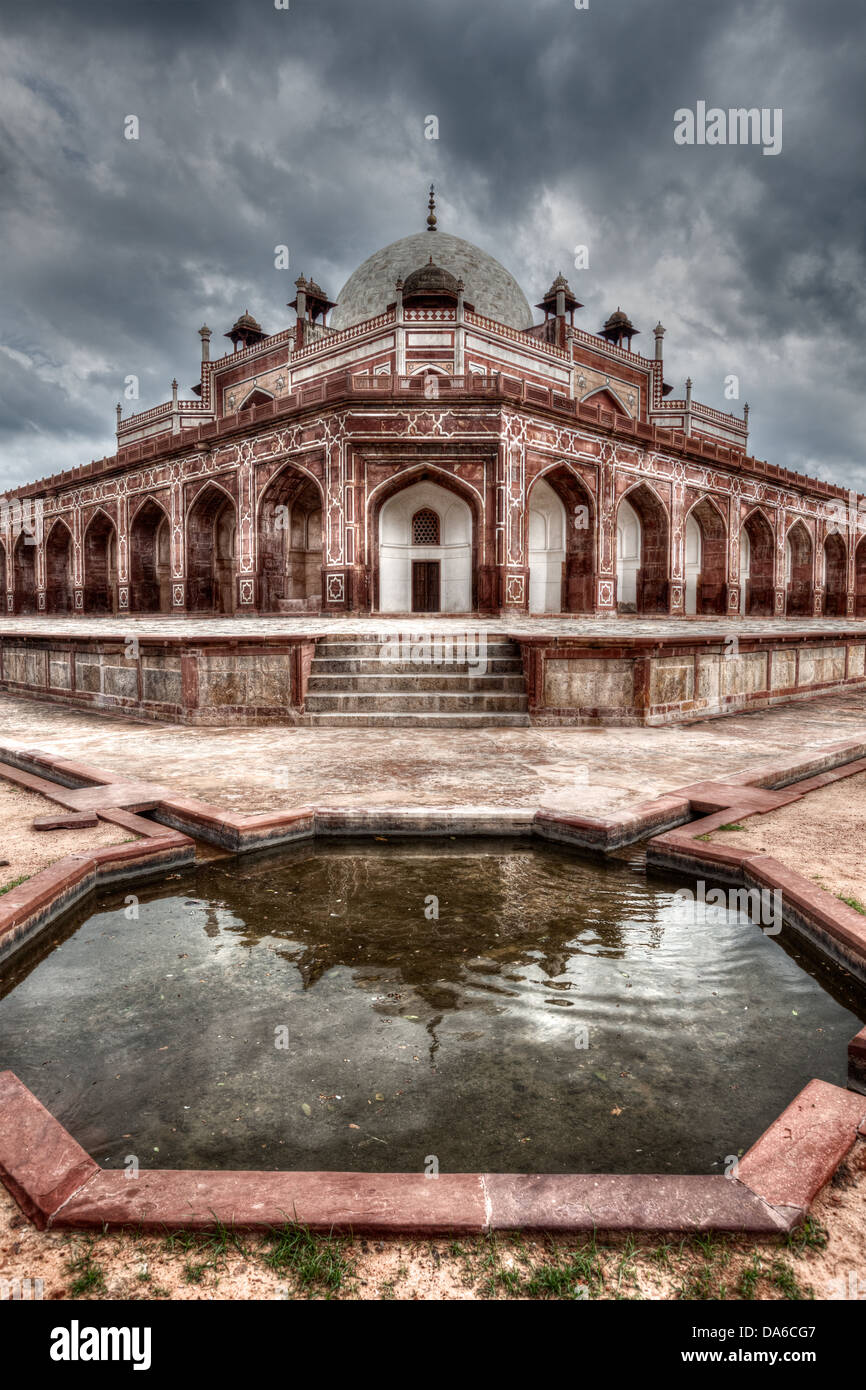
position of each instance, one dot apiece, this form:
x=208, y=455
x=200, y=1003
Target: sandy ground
x=26, y=850
x=820, y=836
x=827, y=1261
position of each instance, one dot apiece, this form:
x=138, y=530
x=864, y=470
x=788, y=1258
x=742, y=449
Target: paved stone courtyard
x=623, y=626
x=589, y=771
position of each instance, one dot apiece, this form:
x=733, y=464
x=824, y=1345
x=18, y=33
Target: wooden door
x=425, y=586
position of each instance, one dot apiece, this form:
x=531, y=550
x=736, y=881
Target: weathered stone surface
x=590, y=682
x=371, y=1203
x=802, y=1149
x=819, y=665
x=77, y=820
x=745, y=673
x=40, y=1163
x=783, y=669
x=632, y=1202
x=672, y=680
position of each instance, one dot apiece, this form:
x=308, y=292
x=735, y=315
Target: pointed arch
x=99, y=548
x=757, y=564
x=150, y=558
x=608, y=399
x=644, y=559
x=706, y=558
x=211, y=545
x=59, y=579
x=24, y=572
x=419, y=472
x=290, y=535
x=574, y=551
x=860, y=579
x=257, y=396
x=799, y=553
x=389, y=536
x=835, y=575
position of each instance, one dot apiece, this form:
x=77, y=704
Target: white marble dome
x=492, y=289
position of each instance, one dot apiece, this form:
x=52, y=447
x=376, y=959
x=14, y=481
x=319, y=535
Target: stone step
x=391, y=682
x=356, y=682
x=416, y=652
x=420, y=701
x=371, y=666
x=437, y=720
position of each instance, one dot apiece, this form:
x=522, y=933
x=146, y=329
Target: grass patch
x=710, y=833
x=569, y=1275
x=574, y=1275
x=810, y=1236
x=89, y=1279
x=775, y=1273
x=14, y=883
x=850, y=902
x=318, y=1263
x=217, y=1242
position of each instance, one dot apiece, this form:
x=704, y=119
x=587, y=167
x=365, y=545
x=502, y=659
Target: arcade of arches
x=426, y=538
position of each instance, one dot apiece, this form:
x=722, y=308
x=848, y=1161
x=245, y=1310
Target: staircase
x=373, y=682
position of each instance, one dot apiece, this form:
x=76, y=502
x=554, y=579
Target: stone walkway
x=590, y=772
x=522, y=624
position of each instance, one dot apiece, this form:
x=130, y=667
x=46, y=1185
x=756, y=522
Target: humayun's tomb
x=423, y=446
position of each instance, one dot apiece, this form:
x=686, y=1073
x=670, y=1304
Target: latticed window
x=425, y=527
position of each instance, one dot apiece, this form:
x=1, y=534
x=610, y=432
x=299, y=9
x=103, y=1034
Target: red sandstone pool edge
x=835, y=929
x=26, y=910
x=60, y=1187
x=58, y=1184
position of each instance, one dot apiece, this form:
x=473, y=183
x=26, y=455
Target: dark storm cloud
x=306, y=127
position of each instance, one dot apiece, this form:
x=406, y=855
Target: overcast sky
x=306, y=127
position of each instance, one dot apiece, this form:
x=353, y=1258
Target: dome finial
x=431, y=216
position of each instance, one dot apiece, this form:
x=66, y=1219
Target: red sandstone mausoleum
x=421, y=444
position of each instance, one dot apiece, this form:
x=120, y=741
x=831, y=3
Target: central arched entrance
x=290, y=543
x=641, y=553
x=425, y=551
x=59, y=587
x=100, y=565
x=211, y=538
x=150, y=560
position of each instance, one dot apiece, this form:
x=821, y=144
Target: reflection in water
x=508, y=1007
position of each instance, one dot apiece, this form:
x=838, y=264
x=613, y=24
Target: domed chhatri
x=431, y=279
x=489, y=286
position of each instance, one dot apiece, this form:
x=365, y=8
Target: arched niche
x=425, y=577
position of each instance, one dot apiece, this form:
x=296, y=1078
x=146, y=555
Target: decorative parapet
x=508, y=386
x=501, y=330
x=344, y=335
